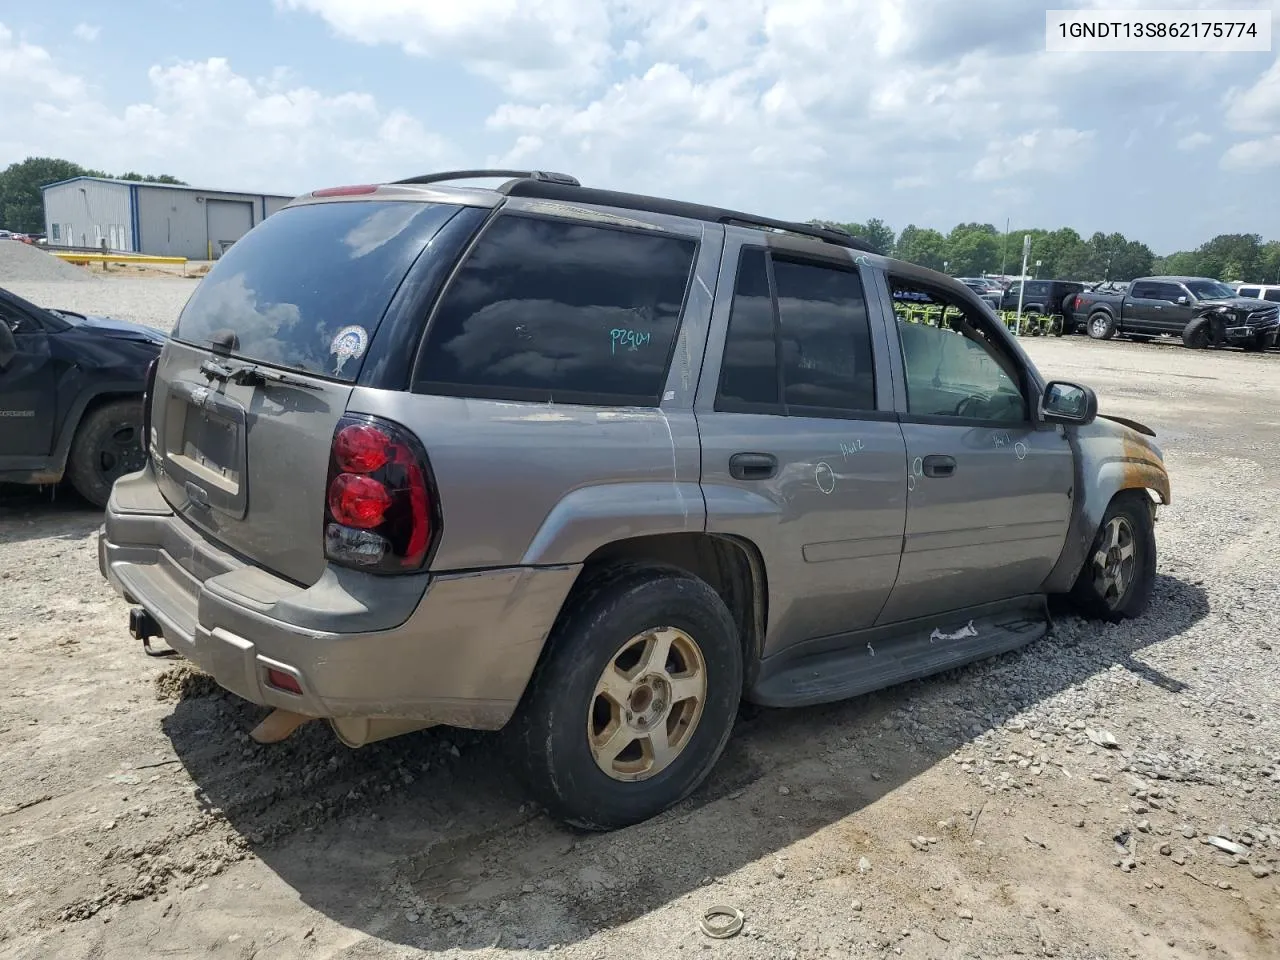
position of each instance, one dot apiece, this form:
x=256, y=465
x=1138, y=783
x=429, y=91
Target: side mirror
x=1182, y=301
x=8, y=345
x=1068, y=403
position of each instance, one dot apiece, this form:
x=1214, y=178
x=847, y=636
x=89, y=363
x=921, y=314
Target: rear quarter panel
x=547, y=484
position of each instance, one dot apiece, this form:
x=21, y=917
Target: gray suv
x=594, y=467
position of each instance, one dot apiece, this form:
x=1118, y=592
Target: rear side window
x=306, y=288
x=1143, y=291
x=800, y=346
x=1248, y=291
x=1273, y=295
x=556, y=310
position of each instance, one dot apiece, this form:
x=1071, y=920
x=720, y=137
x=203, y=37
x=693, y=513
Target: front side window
x=799, y=342
x=953, y=370
x=558, y=310
x=1273, y=295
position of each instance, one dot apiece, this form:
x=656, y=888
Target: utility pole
x=1004, y=249
x=1022, y=284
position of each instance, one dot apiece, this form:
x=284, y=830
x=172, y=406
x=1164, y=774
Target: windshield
x=1209, y=290
x=306, y=289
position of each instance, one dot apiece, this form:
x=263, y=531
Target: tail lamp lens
x=358, y=501
x=380, y=509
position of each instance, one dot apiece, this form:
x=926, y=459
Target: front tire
x=1102, y=326
x=1196, y=334
x=634, y=700
x=1120, y=570
x=107, y=445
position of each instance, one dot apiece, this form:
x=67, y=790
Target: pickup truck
x=1203, y=312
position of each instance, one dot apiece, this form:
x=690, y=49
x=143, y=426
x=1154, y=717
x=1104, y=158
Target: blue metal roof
x=170, y=186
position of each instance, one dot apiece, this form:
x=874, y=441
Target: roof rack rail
x=839, y=237
x=544, y=176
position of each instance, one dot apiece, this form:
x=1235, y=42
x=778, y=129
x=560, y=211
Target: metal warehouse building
x=158, y=219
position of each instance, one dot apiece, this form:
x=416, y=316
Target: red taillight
x=358, y=501
x=361, y=448
x=282, y=681
x=149, y=388
x=352, y=191
x=380, y=510
x=1075, y=304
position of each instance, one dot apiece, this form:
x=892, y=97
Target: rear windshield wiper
x=252, y=375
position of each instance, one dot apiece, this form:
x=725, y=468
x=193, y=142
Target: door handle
x=753, y=466
x=939, y=466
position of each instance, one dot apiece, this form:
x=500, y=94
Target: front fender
x=1110, y=458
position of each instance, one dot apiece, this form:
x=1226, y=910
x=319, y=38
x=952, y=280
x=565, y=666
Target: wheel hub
x=647, y=704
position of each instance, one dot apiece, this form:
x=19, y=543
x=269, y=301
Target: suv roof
x=548, y=185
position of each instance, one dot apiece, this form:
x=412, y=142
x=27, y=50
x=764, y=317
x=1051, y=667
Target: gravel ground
x=153, y=301
x=1058, y=801
x=25, y=263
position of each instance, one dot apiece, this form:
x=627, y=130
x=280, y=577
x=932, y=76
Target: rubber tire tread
x=1137, y=507
x=1192, y=331
x=547, y=734
x=1111, y=326
x=80, y=472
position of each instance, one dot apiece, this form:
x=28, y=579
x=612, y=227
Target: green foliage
x=21, y=207
x=975, y=249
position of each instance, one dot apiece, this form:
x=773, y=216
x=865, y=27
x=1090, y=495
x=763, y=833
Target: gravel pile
x=155, y=302
x=24, y=263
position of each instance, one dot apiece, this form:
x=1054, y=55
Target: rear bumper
x=452, y=649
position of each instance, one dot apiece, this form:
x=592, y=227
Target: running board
x=837, y=668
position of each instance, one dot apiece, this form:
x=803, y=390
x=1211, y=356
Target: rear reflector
x=282, y=681
x=353, y=191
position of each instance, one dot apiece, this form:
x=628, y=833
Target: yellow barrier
x=72, y=257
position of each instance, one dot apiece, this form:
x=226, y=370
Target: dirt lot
x=971, y=815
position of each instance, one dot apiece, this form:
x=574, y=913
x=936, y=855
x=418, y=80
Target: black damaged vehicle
x=71, y=389
x=1202, y=311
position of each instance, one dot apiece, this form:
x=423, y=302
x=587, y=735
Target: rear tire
x=1120, y=570
x=612, y=731
x=107, y=445
x=1195, y=335
x=1102, y=326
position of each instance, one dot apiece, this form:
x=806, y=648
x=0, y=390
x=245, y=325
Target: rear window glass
x=558, y=310
x=307, y=288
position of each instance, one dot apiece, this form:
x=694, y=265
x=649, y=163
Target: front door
x=989, y=491
x=26, y=389
x=801, y=452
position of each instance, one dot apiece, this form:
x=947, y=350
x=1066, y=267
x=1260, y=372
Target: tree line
x=976, y=249
x=21, y=206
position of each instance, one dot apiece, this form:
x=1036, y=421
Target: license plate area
x=205, y=448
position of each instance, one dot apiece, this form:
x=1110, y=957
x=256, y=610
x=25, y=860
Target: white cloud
x=527, y=47
x=1253, y=155
x=1194, y=141
x=86, y=32
x=1038, y=151
x=1256, y=109
x=207, y=124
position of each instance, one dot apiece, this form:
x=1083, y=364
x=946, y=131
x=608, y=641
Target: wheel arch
x=732, y=566
x=86, y=401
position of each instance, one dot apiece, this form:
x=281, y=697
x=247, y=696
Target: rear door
x=989, y=491
x=1167, y=314
x=1140, y=309
x=801, y=452
x=301, y=295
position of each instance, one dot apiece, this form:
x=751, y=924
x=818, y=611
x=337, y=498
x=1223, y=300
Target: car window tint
x=551, y=310
x=1248, y=291
x=307, y=288
x=1272, y=295
x=749, y=371
x=1168, y=292
x=825, y=338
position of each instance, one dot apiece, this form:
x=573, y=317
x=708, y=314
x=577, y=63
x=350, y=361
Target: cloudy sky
x=924, y=111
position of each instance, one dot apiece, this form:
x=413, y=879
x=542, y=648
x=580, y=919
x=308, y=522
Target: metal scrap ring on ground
x=721, y=922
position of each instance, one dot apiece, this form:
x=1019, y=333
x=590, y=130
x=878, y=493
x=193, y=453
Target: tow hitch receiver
x=143, y=626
